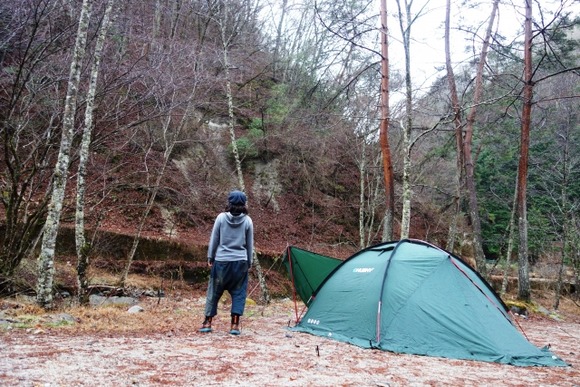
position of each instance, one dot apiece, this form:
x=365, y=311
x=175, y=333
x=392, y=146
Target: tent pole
x=293, y=284
x=380, y=305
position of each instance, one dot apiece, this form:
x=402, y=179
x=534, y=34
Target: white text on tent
x=363, y=269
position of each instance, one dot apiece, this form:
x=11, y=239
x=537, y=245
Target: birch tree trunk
x=82, y=248
x=406, y=211
x=44, y=296
x=231, y=125
x=405, y=23
x=523, y=270
x=384, y=129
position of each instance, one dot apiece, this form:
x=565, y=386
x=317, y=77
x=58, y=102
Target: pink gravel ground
x=173, y=353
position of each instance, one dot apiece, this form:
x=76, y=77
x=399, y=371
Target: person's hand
x=209, y=263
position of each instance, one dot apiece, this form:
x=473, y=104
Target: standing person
x=229, y=255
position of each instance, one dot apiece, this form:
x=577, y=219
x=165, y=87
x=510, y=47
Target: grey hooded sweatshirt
x=232, y=239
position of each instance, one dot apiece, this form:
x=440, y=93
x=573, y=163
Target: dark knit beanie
x=237, y=198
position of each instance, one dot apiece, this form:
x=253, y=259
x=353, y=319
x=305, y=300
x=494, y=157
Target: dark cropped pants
x=230, y=276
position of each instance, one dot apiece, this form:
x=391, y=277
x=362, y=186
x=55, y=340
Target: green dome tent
x=408, y=297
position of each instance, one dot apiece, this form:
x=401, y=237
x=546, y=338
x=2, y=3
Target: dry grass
x=179, y=308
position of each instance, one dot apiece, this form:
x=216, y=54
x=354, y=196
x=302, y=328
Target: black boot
x=206, y=326
x=235, y=328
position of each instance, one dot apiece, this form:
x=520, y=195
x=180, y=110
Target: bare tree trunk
x=277, y=48
x=523, y=268
x=256, y=261
x=467, y=153
x=25, y=159
x=458, y=125
x=384, y=129
x=370, y=188
x=374, y=201
x=82, y=248
x=226, y=42
x=44, y=296
x=169, y=140
x=361, y=207
x=523, y=272
x=156, y=20
x=563, y=258
x=148, y=206
x=175, y=12
x=566, y=212
x=510, y=245
x=575, y=253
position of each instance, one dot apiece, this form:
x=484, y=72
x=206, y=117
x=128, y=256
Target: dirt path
x=167, y=350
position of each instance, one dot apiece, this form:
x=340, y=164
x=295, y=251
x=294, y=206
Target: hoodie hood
x=235, y=220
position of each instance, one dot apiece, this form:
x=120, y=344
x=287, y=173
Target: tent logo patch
x=363, y=269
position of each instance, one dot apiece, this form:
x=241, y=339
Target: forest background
x=124, y=125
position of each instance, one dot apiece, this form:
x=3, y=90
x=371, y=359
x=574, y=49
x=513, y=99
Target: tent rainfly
x=410, y=297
